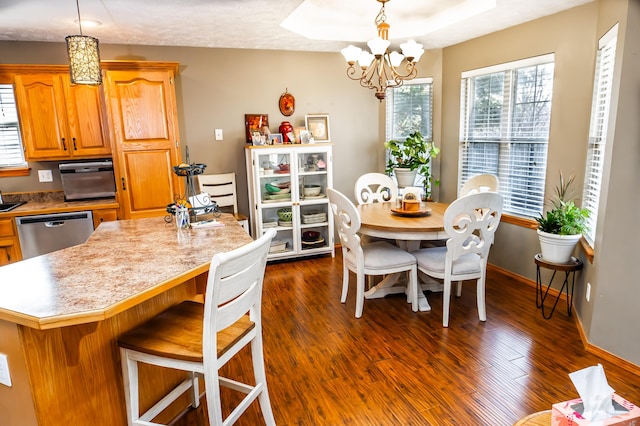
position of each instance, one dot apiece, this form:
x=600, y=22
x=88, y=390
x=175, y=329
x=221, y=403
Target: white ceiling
x=328, y=25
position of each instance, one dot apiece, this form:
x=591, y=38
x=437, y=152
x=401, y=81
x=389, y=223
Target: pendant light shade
x=84, y=59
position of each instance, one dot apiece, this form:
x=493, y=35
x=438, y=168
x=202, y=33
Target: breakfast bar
x=61, y=315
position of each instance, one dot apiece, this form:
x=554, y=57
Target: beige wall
x=216, y=87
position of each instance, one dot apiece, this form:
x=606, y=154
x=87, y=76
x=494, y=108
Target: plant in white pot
x=411, y=156
x=560, y=229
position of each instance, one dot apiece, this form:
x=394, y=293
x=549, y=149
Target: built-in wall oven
x=88, y=180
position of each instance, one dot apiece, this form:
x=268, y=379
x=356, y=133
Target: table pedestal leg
x=387, y=286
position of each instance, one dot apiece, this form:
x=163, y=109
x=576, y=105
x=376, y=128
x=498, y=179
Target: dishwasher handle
x=54, y=224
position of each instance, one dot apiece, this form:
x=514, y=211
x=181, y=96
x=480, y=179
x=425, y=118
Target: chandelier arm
x=352, y=73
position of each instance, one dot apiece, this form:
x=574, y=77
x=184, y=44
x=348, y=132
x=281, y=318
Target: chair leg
x=359, y=293
x=482, y=309
x=257, y=356
x=446, y=296
x=130, y=377
x=345, y=283
x=459, y=289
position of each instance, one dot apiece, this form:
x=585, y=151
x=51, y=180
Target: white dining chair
x=470, y=222
x=222, y=189
x=377, y=258
x=375, y=188
x=201, y=338
x=480, y=183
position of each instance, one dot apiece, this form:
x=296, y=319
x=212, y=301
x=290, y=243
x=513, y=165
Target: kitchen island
x=61, y=315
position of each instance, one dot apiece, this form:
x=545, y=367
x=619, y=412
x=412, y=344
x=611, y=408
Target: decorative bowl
x=310, y=236
x=285, y=214
x=311, y=190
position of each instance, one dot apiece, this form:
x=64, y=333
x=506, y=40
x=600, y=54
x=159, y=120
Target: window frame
x=523, y=204
x=598, y=127
x=389, y=122
x=13, y=127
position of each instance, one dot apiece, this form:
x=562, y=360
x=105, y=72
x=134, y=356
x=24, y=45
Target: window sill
x=533, y=224
x=14, y=171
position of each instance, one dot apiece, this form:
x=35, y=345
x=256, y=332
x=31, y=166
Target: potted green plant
x=562, y=226
x=411, y=156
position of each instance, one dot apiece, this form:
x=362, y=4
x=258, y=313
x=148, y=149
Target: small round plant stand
x=569, y=270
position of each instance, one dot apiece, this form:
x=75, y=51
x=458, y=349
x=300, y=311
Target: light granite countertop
x=122, y=264
x=52, y=202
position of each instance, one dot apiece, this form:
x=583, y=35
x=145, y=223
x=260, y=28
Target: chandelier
x=381, y=69
x=84, y=57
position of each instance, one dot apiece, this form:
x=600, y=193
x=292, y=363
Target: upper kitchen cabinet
x=143, y=119
x=60, y=120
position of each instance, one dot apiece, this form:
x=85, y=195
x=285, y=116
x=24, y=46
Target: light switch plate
x=45, y=176
x=5, y=377
x=218, y=134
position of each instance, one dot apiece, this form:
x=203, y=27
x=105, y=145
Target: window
x=505, y=113
x=598, y=127
x=11, y=154
x=409, y=108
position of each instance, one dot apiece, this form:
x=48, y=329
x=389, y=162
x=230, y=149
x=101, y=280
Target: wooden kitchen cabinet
x=105, y=215
x=60, y=120
x=9, y=243
x=142, y=114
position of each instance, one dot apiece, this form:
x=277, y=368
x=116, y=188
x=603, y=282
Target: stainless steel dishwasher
x=43, y=234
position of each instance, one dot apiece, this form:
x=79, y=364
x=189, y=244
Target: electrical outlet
x=218, y=134
x=5, y=377
x=587, y=294
x=45, y=176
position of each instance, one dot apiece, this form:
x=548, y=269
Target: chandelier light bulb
x=351, y=54
x=378, y=46
x=411, y=49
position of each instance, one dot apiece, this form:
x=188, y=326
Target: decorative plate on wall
x=287, y=103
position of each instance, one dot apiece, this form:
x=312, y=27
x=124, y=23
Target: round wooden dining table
x=408, y=229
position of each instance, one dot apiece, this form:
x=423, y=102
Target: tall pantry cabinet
x=143, y=119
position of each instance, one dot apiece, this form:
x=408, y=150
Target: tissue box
x=563, y=415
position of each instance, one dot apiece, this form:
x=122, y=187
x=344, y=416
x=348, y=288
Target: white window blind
x=11, y=154
x=504, y=129
x=409, y=108
x=600, y=106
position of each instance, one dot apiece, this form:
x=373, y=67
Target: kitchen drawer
x=106, y=215
x=6, y=228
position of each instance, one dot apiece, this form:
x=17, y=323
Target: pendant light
x=84, y=57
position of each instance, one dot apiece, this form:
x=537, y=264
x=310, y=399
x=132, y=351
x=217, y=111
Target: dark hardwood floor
x=397, y=367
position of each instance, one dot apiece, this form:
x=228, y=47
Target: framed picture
x=258, y=139
x=256, y=123
x=318, y=125
x=275, y=139
x=305, y=136
x=296, y=134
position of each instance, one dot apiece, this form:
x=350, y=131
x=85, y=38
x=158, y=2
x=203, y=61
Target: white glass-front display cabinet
x=287, y=191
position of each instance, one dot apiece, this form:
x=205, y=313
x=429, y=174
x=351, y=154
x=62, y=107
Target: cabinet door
x=143, y=115
x=8, y=252
x=42, y=112
x=106, y=215
x=86, y=121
